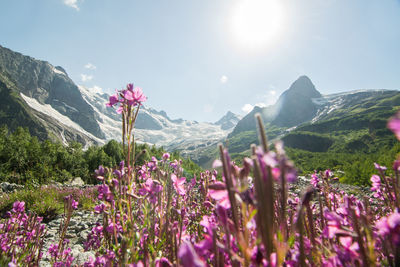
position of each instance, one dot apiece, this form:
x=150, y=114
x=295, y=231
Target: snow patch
x=51, y=112
x=58, y=71
x=173, y=135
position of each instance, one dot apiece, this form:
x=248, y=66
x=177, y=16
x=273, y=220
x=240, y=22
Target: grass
x=48, y=201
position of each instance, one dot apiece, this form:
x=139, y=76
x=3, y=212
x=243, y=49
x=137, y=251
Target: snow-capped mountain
x=302, y=114
x=41, y=97
x=52, y=106
x=155, y=127
x=228, y=121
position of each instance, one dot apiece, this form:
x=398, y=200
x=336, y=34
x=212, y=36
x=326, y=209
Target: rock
x=79, y=227
x=77, y=181
x=81, y=257
x=10, y=187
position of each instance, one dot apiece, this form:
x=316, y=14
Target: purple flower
x=396, y=165
x=74, y=204
x=216, y=164
x=138, y=95
x=221, y=196
x=188, y=256
x=53, y=250
x=379, y=167
x=179, y=184
x=394, y=125
x=122, y=165
x=112, y=100
x=314, y=180
x=104, y=193
x=328, y=173
x=135, y=96
x=18, y=206
x=100, y=171
x=389, y=227
x=376, y=182
x=70, y=201
x=120, y=109
x=130, y=87
x=118, y=173
x=163, y=262
x=165, y=156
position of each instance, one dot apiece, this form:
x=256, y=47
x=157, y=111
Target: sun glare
x=256, y=22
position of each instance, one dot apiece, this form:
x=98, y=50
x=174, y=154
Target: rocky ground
x=79, y=227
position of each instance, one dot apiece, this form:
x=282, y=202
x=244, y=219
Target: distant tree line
x=26, y=160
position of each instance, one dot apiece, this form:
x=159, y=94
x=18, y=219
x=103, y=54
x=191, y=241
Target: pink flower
x=120, y=109
x=188, y=256
x=221, y=196
x=394, y=125
x=138, y=95
x=314, y=180
x=112, y=100
x=163, y=262
x=165, y=156
x=376, y=182
x=134, y=96
x=100, y=208
x=53, y=250
x=18, y=206
x=179, y=184
x=74, y=204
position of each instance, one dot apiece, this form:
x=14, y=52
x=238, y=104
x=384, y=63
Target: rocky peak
x=295, y=105
x=229, y=120
x=303, y=87
x=48, y=85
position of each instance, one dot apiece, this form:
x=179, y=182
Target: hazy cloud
x=247, y=108
x=85, y=77
x=90, y=66
x=223, y=79
x=72, y=3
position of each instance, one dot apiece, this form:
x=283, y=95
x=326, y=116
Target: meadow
x=156, y=213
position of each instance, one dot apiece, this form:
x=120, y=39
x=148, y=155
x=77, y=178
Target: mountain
x=293, y=107
x=41, y=97
x=155, y=127
x=305, y=119
x=228, y=121
x=37, y=95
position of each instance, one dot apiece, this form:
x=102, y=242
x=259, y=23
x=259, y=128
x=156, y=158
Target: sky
x=198, y=59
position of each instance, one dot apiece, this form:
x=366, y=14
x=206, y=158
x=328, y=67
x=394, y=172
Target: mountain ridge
x=43, y=98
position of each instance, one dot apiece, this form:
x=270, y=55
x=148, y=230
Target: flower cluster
x=21, y=237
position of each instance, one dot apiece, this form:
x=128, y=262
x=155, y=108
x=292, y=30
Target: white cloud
x=223, y=79
x=90, y=66
x=247, y=108
x=85, y=77
x=72, y=3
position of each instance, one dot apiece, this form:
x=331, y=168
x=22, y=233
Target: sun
x=256, y=22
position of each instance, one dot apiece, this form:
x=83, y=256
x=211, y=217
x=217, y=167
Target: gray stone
x=77, y=181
